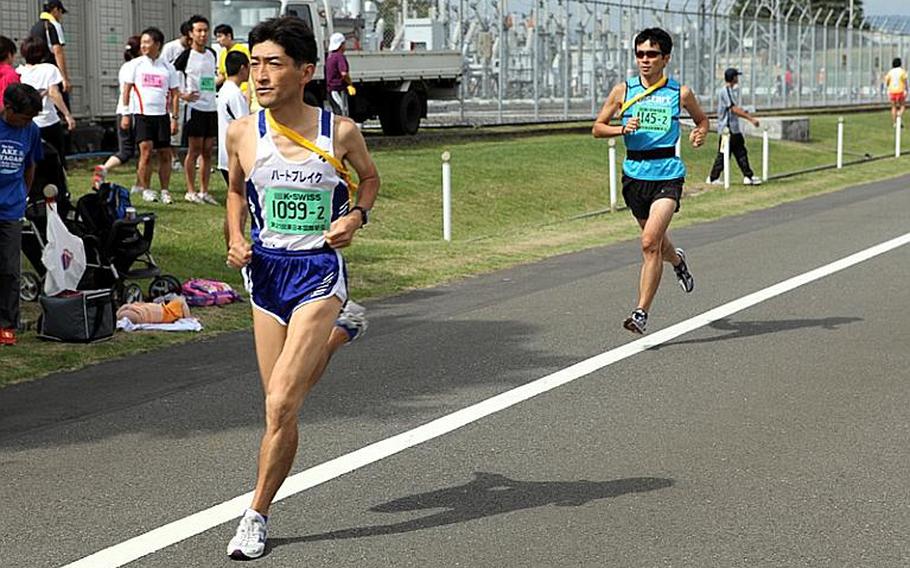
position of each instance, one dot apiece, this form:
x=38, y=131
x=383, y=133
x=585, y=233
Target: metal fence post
x=897, y=137
x=611, y=158
x=446, y=196
x=840, y=142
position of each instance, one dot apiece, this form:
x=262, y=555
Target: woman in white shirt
x=45, y=78
x=126, y=137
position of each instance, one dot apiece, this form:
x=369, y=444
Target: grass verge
x=512, y=203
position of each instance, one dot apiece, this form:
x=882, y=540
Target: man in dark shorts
x=649, y=106
x=198, y=65
x=154, y=83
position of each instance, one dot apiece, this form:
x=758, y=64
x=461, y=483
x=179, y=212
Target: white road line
x=180, y=530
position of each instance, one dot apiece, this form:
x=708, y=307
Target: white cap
x=336, y=41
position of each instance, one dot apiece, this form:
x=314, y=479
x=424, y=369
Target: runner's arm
x=690, y=103
x=602, y=127
x=239, y=251
x=352, y=148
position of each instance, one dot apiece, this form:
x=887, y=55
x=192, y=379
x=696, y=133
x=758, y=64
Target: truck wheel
x=410, y=110
x=401, y=114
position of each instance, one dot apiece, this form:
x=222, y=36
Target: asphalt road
x=774, y=437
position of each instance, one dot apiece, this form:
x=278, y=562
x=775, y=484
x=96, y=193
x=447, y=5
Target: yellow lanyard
x=300, y=140
x=643, y=94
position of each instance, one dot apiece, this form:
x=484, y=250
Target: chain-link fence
x=561, y=57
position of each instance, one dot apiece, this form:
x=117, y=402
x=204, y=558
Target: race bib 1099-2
x=298, y=211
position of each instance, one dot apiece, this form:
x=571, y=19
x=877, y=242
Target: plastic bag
x=64, y=256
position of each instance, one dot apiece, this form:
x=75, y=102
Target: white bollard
x=840, y=142
x=725, y=148
x=765, y=156
x=897, y=138
x=612, y=161
x=446, y=196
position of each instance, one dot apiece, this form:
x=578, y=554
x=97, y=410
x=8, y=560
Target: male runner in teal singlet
x=652, y=182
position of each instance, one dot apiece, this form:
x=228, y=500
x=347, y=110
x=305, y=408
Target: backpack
x=203, y=292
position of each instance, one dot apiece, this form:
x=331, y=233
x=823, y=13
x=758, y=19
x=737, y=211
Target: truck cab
x=392, y=84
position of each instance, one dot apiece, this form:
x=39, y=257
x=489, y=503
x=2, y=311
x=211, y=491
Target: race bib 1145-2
x=653, y=118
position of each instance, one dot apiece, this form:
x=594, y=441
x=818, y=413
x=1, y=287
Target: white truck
x=392, y=85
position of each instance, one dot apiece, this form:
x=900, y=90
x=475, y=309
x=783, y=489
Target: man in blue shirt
x=20, y=149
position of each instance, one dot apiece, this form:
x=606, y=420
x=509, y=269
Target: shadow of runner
x=487, y=495
x=743, y=329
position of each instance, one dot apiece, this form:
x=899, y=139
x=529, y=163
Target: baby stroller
x=117, y=247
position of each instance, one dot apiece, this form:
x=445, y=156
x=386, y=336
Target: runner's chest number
x=298, y=211
x=652, y=118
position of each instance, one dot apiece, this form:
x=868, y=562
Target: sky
x=887, y=7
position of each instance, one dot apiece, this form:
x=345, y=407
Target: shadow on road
x=487, y=495
x=742, y=329
x=214, y=385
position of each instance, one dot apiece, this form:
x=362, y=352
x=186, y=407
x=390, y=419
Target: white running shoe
x=249, y=541
x=191, y=197
x=207, y=198
x=751, y=181
x=353, y=320
x=149, y=195
x=166, y=197
x=717, y=181
x=135, y=189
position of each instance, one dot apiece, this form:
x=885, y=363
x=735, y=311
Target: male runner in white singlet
x=300, y=216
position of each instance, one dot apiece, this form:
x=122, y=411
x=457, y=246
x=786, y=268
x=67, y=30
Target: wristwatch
x=363, y=212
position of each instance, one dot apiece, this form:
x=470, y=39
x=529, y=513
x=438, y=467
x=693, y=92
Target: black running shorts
x=201, y=124
x=154, y=128
x=639, y=194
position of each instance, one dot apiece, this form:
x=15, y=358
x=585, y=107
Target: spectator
x=896, y=81
x=20, y=150
x=199, y=64
x=232, y=104
x=170, y=52
x=224, y=35
x=172, y=49
x=45, y=78
x=50, y=31
x=126, y=138
x=728, y=113
x=154, y=83
x=8, y=75
x=337, y=78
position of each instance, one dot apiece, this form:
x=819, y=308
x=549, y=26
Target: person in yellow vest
x=224, y=35
x=896, y=81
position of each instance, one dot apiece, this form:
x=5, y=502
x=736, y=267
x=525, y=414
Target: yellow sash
x=643, y=94
x=300, y=140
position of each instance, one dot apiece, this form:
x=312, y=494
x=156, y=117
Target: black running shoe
x=637, y=321
x=686, y=281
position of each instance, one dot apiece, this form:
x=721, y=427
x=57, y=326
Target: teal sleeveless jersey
x=658, y=115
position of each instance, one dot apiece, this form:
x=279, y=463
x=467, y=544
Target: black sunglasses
x=650, y=54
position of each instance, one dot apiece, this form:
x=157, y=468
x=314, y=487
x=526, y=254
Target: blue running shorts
x=280, y=281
